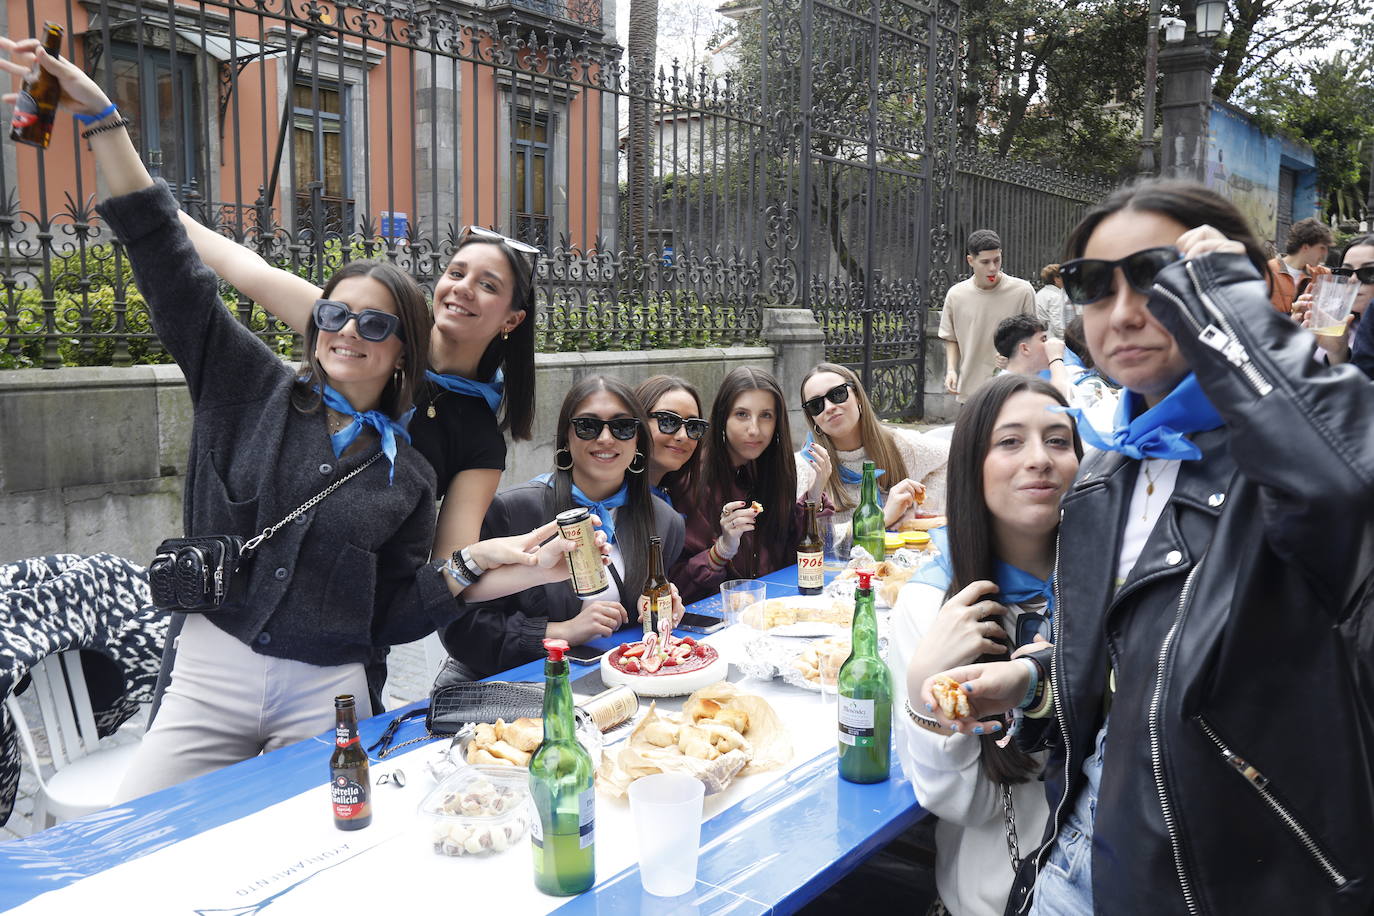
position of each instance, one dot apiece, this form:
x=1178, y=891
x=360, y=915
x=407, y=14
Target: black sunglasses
x=1029, y=625
x=669, y=423
x=589, y=428
x=374, y=325
x=837, y=395
x=1363, y=274
x=1089, y=280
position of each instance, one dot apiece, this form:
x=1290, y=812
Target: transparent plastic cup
x=667, y=812
x=738, y=594
x=1332, y=298
x=839, y=538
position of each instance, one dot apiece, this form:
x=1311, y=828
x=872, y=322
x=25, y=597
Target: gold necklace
x=1149, y=489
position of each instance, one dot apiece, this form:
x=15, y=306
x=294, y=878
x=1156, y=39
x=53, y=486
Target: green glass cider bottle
x=561, y=783
x=868, y=516
x=865, y=697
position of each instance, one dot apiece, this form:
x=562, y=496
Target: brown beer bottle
x=36, y=106
x=810, y=555
x=350, y=789
x=658, y=611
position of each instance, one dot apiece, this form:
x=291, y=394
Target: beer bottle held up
x=810, y=555
x=869, y=528
x=36, y=106
x=561, y=774
x=350, y=788
x=658, y=610
x=865, y=696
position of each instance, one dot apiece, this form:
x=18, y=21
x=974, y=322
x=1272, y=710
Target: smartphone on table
x=700, y=623
x=585, y=654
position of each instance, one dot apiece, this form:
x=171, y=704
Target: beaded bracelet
x=99, y=116
x=926, y=722
x=113, y=125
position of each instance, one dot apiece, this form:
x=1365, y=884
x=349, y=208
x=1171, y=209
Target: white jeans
x=227, y=703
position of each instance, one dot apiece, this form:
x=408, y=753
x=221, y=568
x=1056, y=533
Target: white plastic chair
x=87, y=771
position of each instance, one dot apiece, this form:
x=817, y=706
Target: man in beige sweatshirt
x=973, y=310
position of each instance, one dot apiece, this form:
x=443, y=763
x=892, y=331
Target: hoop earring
x=638, y=463
x=560, y=456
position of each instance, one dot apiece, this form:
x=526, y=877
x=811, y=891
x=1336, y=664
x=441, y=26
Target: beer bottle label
x=348, y=797
x=856, y=722
x=586, y=807
x=25, y=112
x=344, y=737
x=663, y=609
x=810, y=570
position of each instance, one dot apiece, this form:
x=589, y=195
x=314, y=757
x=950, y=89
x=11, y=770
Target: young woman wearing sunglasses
x=844, y=426
x=600, y=458
x=748, y=460
x=990, y=591
x=350, y=574
x=677, y=428
x=1212, y=558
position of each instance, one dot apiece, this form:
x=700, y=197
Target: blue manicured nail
x=968, y=686
x=929, y=708
x=977, y=729
x=995, y=726
x=954, y=727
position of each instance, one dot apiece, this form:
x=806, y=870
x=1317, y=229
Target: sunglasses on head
x=1363, y=274
x=480, y=234
x=837, y=395
x=669, y=423
x=589, y=428
x=374, y=325
x=1089, y=280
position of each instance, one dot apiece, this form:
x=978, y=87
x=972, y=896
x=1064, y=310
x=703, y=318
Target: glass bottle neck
x=558, y=703
x=865, y=628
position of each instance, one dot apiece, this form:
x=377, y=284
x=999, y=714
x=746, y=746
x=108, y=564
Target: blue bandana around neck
x=1071, y=359
x=387, y=428
x=1158, y=432
x=849, y=475
x=491, y=391
x=663, y=495
x=601, y=509
x=1014, y=586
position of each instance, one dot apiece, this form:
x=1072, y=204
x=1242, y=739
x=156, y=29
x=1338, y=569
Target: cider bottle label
x=586, y=820
x=348, y=796
x=856, y=722
x=810, y=570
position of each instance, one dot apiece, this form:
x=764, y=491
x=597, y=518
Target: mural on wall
x=1243, y=166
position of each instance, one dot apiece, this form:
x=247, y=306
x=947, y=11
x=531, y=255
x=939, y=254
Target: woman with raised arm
x=749, y=473
x=677, y=428
x=600, y=459
x=842, y=423
x=989, y=591
x=350, y=574
x=1206, y=707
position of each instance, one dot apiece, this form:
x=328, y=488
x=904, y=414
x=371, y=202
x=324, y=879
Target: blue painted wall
x=1243, y=164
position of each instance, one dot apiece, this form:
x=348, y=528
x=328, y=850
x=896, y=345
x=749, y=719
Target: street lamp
x=1174, y=29
x=1173, y=34
x=1211, y=16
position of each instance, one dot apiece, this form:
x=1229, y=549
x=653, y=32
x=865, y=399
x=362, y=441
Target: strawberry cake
x=684, y=667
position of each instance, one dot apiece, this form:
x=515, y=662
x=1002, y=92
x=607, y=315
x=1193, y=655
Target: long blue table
x=772, y=852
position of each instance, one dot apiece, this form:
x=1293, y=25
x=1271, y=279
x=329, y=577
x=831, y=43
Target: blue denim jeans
x=1064, y=886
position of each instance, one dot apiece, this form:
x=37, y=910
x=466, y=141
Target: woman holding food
x=843, y=424
x=1235, y=500
x=749, y=473
x=677, y=428
x=601, y=456
x=989, y=591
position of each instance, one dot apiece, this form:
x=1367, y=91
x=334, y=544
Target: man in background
x=1303, y=261
x=973, y=310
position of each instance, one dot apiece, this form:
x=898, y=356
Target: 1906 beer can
x=588, y=573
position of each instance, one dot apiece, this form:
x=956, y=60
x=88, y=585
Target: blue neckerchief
x=1071, y=359
x=602, y=509
x=849, y=475
x=663, y=495
x=1044, y=374
x=1015, y=586
x=386, y=427
x=491, y=391
x=1158, y=432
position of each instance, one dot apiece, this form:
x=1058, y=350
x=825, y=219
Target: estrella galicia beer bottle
x=36, y=106
x=869, y=528
x=865, y=697
x=561, y=776
x=810, y=555
x=350, y=788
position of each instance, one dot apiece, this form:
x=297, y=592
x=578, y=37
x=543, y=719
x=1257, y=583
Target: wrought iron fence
x=672, y=206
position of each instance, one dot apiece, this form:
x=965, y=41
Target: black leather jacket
x=1237, y=774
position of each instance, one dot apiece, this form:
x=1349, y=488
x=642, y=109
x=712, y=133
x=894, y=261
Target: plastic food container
x=915, y=539
x=478, y=810
x=893, y=542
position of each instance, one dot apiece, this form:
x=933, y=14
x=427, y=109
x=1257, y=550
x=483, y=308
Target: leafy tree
x=1265, y=35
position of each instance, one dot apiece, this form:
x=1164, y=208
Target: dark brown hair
x=773, y=473
x=970, y=526
x=1310, y=231
x=679, y=483
x=416, y=321
x=634, y=521
x=514, y=355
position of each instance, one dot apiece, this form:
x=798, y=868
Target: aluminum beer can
x=610, y=707
x=588, y=573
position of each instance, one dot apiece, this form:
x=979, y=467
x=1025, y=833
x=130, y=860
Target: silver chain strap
x=1009, y=813
x=309, y=504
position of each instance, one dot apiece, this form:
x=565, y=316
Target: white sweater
x=925, y=457
x=972, y=867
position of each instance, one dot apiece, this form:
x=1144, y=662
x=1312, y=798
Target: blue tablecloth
x=773, y=851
